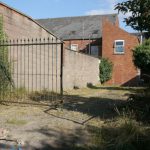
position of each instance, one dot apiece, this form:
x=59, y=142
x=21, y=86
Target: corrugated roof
x=82, y=27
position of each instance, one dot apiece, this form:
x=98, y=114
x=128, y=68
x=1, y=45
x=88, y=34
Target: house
x=99, y=36
x=82, y=33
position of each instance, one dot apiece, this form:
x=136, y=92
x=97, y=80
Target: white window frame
x=115, y=46
x=74, y=45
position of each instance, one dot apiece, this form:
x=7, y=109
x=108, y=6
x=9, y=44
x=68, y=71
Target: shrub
x=141, y=56
x=106, y=68
x=5, y=73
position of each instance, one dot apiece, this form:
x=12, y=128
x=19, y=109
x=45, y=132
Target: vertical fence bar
x=13, y=61
x=0, y=78
x=32, y=51
x=17, y=66
x=44, y=69
x=20, y=67
x=61, y=69
x=56, y=67
x=2, y=69
x=25, y=68
x=52, y=68
x=1, y=59
x=36, y=62
x=28, y=66
x=10, y=69
x=40, y=61
x=48, y=68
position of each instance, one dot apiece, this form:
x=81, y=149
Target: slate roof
x=83, y=27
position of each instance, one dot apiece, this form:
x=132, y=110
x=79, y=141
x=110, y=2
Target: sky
x=38, y=9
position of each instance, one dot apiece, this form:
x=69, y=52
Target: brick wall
x=84, y=44
x=79, y=69
x=124, y=72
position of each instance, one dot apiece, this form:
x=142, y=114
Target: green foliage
x=5, y=75
x=106, y=68
x=140, y=14
x=141, y=56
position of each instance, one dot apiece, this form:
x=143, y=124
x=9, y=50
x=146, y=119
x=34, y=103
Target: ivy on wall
x=106, y=68
x=5, y=70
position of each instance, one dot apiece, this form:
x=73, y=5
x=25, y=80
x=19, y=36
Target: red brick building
x=100, y=36
x=124, y=71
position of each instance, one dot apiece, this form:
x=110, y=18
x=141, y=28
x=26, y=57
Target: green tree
x=106, y=68
x=140, y=14
x=141, y=56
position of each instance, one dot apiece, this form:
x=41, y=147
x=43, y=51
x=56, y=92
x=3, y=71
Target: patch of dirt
x=43, y=127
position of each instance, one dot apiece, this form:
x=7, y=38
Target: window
x=119, y=47
x=95, y=50
x=74, y=47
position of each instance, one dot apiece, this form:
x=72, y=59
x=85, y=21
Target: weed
x=42, y=95
x=15, y=121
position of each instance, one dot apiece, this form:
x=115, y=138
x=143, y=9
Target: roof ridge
x=78, y=16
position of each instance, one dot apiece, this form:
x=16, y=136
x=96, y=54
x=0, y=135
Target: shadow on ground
x=119, y=88
x=91, y=106
x=63, y=141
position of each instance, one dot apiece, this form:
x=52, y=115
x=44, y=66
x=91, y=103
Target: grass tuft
x=15, y=121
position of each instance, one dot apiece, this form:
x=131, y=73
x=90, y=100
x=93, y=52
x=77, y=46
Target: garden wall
x=79, y=70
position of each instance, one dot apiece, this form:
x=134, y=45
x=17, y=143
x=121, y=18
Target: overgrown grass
x=139, y=105
x=15, y=121
x=43, y=95
x=13, y=94
x=122, y=134
x=130, y=130
x=21, y=94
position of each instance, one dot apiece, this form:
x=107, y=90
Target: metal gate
x=31, y=69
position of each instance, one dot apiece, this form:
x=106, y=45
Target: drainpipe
x=141, y=42
x=141, y=39
x=89, y=45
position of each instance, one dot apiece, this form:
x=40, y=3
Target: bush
x=106, y=68
x=5, y=72
x=141, y=57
